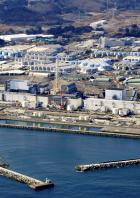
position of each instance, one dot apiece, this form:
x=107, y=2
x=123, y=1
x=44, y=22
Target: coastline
x=80, y=132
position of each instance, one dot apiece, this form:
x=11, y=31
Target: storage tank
x=124, y=112
x=70, y=107
x=25, y=104
x=103, y=109
x=115, y=111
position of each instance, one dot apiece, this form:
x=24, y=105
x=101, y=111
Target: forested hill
x=29, y=11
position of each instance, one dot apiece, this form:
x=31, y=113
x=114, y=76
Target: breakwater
x=106, y=165
x=71, y=131
x=31, y=182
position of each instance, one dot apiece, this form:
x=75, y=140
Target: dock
x=31, y=182
x=107, y=165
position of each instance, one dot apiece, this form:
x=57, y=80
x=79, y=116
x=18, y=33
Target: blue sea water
x=52, y=155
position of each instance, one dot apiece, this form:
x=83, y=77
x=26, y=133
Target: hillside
x=51, y=11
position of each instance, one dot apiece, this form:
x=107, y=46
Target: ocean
x=52, y=155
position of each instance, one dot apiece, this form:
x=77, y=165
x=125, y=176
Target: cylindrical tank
x=115, y=111
x=70, y=107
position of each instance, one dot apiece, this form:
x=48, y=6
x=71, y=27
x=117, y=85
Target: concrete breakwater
x=106, y=165
x=71, y=131
x=31, y=182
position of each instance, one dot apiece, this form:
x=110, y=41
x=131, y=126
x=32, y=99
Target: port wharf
x=107, y=165
x=112, y=133
x=31, y=182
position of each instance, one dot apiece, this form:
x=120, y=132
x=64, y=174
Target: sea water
x=52, y=155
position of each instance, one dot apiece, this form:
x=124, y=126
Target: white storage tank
x=115, y=111
x=70, y=107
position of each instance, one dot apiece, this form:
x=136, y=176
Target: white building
x=115, y=94
x=18, y=85
x=111, y=42
x=17, y=37
x=104, y=105
x=26, y=100
x=22, y=37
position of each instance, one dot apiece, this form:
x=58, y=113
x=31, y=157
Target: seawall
x=69, y=131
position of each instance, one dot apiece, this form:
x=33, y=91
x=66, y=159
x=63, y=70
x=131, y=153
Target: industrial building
x=17, y=37
x=106, y=42
x=115, y=94
x=113, y=106
x=110, y=42
x=25, y=100
x=27, y=87
x=23, y=37
x=12, y=72
x=17, y=85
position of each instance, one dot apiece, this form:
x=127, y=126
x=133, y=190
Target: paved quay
x=117, y=130
x=72, y=131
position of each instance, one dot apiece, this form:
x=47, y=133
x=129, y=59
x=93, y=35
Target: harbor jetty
x=31, y=182
x=106, y=165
